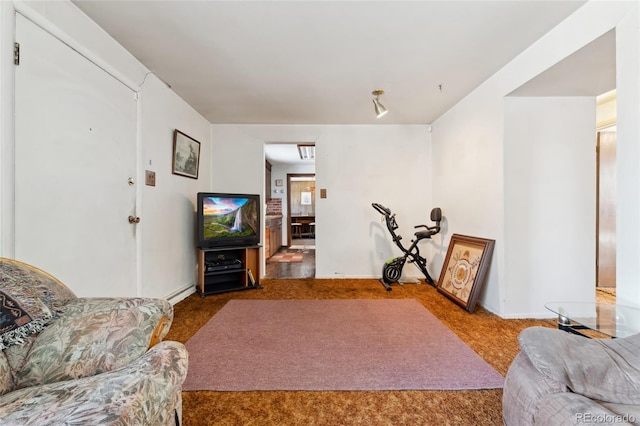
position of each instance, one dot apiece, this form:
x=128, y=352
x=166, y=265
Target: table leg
x=565, y=324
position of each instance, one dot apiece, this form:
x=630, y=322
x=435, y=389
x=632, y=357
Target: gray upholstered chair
x=560, y=378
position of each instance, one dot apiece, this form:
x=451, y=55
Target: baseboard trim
x=529, y=315
x=181, y=294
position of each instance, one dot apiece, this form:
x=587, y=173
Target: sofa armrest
x=602, y=369
x=524, y=389
x=159, y=331
x=144, y=392
x=93, y=336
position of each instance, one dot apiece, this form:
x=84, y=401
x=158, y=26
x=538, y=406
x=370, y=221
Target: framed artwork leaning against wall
x=465, y=268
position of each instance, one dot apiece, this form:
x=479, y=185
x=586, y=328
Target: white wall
x=7, y=193
x=237, y=164
x=469, y=146
x=467, y=170
x=168, y=254
x=549, y=202
x=628, y=159
x=357, y=165
x=165, y=241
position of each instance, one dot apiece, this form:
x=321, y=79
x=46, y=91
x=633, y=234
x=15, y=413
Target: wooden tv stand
x=224, y=269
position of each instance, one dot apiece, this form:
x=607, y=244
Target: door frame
x=289, y=176
x=600, y=131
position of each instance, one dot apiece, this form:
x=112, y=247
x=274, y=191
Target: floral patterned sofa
x=70, y=360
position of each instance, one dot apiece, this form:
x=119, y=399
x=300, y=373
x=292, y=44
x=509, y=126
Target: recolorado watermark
x=605, y=418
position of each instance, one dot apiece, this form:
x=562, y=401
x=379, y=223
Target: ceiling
x=590, y=71
x=286, y=153
x=317, y=62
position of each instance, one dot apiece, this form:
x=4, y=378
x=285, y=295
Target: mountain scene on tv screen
x=229, y=217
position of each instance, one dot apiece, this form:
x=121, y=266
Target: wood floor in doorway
x=304, y=269
x=605, y=295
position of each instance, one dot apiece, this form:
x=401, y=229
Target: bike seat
x=436, y=216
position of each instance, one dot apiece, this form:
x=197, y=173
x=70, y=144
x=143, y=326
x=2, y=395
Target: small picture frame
x=278, y=182
x=186, y=155
x=305, y=198
x=465, y=268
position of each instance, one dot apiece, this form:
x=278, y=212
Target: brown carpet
x=493, y=338
x=359, y=344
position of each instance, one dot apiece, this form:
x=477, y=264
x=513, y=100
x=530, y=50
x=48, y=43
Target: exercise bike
x=392, y=269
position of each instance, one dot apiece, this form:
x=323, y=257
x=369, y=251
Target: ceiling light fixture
x=380, y=109
x=307, y=151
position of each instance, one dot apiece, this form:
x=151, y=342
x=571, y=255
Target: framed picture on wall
x=465, y=268
x=186, y=155
x=305, y=198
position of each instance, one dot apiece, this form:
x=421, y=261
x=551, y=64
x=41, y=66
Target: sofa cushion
x=626, y=412
x=51, y=291
x=94, y=335
x=6, y=375
x=524, y=388
x=21, y=313
x=603, y=369
x=571, y=409
x=17, y=354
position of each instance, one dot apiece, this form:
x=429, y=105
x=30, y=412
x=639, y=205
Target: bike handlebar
x=381, y=209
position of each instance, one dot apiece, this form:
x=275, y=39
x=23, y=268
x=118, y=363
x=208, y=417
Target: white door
x=606, y=213
x=75, y=150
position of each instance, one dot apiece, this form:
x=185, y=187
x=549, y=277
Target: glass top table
x=609, y=319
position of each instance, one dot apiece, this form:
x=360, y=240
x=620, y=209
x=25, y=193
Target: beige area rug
x=303, y=247
x=366, y=344
x=285, y=257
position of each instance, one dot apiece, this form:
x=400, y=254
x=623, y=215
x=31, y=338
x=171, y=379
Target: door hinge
x=16, y=53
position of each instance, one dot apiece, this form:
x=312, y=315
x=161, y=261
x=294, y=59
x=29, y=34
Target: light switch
x=150, y=178
x=323, y=193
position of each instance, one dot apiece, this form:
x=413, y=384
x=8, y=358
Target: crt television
x=228, y=220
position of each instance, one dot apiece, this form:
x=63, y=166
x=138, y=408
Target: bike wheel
x=391, y=273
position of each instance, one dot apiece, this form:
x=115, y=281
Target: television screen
x=226, y=220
